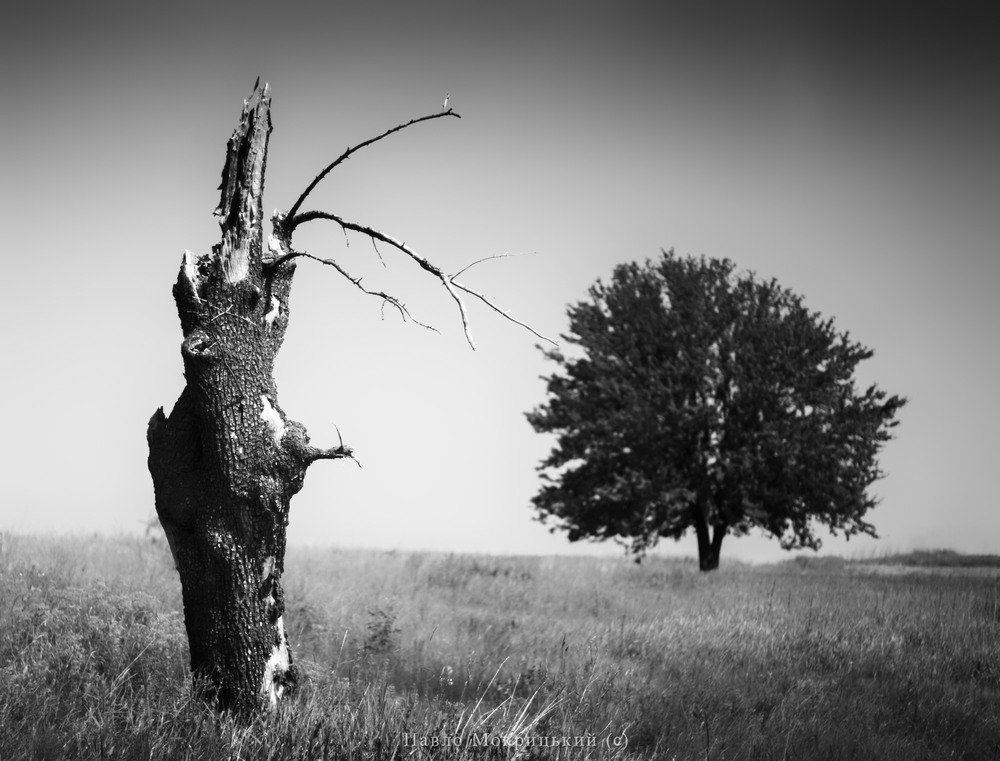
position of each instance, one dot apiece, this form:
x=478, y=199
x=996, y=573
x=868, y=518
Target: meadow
x=409, y=655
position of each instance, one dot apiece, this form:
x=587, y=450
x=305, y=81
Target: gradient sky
x=848, y=151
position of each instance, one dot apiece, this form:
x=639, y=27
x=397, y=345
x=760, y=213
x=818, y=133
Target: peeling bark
x=226, y=461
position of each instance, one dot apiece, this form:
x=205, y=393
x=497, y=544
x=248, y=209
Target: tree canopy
x=703, y=398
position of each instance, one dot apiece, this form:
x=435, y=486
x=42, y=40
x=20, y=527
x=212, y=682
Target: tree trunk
x=226, y=462
x=709, y=543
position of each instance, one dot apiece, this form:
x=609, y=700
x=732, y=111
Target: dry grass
x=799, y=661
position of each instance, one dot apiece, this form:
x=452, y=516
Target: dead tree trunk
x=226, y=461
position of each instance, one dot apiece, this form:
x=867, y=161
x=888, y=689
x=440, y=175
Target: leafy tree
x=702, y=398
x=227, y=460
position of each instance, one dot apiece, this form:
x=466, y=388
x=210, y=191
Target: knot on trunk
x=199, y=345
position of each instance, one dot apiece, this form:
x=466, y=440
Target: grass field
x=818, y=659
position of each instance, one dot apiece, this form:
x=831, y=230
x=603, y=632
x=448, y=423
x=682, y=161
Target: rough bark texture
x=226, y=461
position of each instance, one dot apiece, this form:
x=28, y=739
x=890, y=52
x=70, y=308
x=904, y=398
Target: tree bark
x=709, y=539
x=226, y=461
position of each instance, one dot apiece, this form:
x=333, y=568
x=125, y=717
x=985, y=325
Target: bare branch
x=504, y=313
x=404, y=313
x=401, y=245
x=291, y=221
x=448, y=281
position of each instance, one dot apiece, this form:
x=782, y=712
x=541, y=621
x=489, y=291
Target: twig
x=504, y=255
x=448, y=281
x=228, y=313
x=404, y=313
x=503, y=313
x=375, y=246
x=346, y=451
x=291, y=221
x=401, y=245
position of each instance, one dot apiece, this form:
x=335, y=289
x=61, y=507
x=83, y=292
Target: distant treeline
x=943, y=558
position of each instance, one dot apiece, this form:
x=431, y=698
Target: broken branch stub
x=240, y=209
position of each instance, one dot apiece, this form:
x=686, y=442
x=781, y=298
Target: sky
x=847, y=149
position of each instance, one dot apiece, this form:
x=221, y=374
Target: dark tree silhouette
x=703, y=399
x=227, y=460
